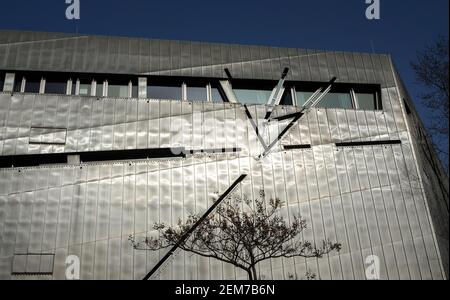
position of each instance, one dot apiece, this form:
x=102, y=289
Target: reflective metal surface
x=385, y=200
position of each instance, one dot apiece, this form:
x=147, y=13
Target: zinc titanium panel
x=51, y=219
x=24, y=222
x=91, y=54
x=77, y=210
x=196, y=58
x=102, y=59
x=265, y=61
x=341, y=66
x=236, y=61
x=368, y=67
x=216, y=60
x=226, y=58
x=12, y=125
x=185, y=59
x=359, y=67
x=131, y=124
x=123, y=58
x=90, y=209
x=294, y=71
x=275, y=63
x=255, y=59
x=155, y=61
x=21, y=53
x=72, y=133
x=143, y=56
x=206, y=59
x=119, y=128
x=84, y=119
x=322, y=65
x=133, y=53
x=350, y=63
x=313, y=64
x=284, y=61
x=175, y=58
x=95, y=139
x=387, y=70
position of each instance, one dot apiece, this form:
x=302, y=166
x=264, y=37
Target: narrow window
x=302, y=97
x=196, y=93
x=117, y=90
x=32, y=84
x=85, y=88
x=2, y=81
x=55, y=86
x=252, y=96
x=18, y=84
x=366, y=101
x=286, y=99
x=164, y=92
x=134, y=90
x=336, y=100
x=99, y=88
x=216, y=96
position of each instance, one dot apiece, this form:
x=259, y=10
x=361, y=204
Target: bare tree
x=240, y=233
x=432, y=71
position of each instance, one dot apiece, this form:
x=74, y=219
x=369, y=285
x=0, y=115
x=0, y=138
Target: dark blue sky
x=404, y=28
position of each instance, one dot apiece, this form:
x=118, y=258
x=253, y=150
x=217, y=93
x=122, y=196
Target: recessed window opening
x=55, y=85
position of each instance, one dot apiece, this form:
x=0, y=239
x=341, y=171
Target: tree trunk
x=255, y=275
x=250, y=274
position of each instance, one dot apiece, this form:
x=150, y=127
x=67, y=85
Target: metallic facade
x=387, y=200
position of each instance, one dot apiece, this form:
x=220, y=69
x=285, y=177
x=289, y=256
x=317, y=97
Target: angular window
x=367, y=101
x=85, y=89
x=164, y=92
x=336, y=100
x=53, y=86
x=196, y=93
x=286, y=99
x=32, y=84
x=215, y=95
x=302, y=97
x=252, y=96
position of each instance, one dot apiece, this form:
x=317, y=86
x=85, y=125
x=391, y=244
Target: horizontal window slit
x=292, y=147
x=214, y=151
x=30, y=160
x=369, y=143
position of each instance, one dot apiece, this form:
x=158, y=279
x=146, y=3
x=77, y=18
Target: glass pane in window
x=55, y=87
x=73, y=88
x=302, y=97
x=120, y=91
x=17, y=84
x=366, y=101
x=247, y=96
x=85, y=89
x=32, y=85
x=164, y=92
x=99, y=89
x=2, y=81
x=215, y=95
x=196, y=93
x=287, y=98
x=336, y=100
x=134, y=91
